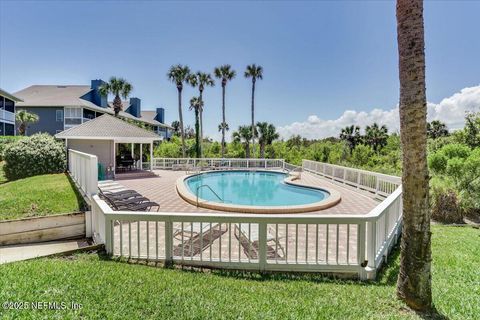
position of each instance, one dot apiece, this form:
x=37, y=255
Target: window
x=73, y=117
x=59, y=115
x=9, y=105
x=9, y=129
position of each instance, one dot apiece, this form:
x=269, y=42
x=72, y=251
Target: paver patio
x=301, y=243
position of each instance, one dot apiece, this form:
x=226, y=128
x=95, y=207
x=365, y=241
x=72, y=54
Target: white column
x=133, y=153
x=114, y=160
x=151, y=156
x=141, y=156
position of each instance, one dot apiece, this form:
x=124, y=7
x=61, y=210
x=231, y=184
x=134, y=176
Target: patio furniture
x=196, y=237
x=124, y=162
x=249, y=239
x=129, y=200
x=134, y=204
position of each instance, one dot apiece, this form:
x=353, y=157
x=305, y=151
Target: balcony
x=7, y=116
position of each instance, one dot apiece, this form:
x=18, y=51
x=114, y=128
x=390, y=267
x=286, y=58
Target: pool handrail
x=206, y=185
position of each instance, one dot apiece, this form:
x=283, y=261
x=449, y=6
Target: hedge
x=35, y=155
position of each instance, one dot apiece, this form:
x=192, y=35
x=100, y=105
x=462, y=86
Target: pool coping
x=188, y=196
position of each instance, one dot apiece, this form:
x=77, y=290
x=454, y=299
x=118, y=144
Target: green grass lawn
x=109, y=289
x=38, y=196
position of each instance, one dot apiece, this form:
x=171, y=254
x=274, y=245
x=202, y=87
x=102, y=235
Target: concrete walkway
x=33, y=250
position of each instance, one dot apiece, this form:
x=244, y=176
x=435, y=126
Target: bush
x=446, y=208
x=38, y=154
x=7, y=140
x=437, y=162
x=361, y=155
x=455, y=150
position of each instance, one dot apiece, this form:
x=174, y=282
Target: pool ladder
x=206, y=185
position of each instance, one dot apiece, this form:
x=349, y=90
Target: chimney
x=160, y=117
x=135, y=107
x=97, y=98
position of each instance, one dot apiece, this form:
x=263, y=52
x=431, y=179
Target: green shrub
x=5, y=141
x=35, y=155
x=361, y=155
x=446, y=207
x=437, y=162
x=455, y=150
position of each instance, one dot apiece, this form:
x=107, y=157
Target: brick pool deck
x=295, y=242
x=161, y=189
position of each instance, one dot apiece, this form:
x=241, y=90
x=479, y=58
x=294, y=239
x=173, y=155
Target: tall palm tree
x=351, y=134
x=225, y=73
x=414, y=280
x=203, y=80
x=244, y=136
x=255, y=72
x=266, y=134
x=196, y=104
x=119, y=87
x=179, y=75
x=176, y=127
x=23, y=118
x=376, y=136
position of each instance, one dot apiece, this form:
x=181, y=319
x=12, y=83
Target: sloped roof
x=145, y=116
x=107, y=127
x=10, y=96
x=57, y=96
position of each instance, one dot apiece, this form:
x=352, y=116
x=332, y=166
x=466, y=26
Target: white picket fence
x=83, y=169
x=340, y=244
x=236, y=163
x=377, y=183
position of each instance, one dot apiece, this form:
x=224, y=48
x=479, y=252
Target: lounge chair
x=136, y=205
x=130, y=201
x=249, y=239
x=121, y=194
x=196, y=237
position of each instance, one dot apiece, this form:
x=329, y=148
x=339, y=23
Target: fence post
x=108, y=235
x=262, y=238
x=92, y=188
x=168, y=244
x=361, y=250
x=371, y=250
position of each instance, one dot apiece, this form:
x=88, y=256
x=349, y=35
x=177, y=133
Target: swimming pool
x=252, y=191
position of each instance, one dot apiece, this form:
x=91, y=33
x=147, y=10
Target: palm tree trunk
x=223, y=121
x=247, y=150
x=201, y=124
x=262, y=150
x=198, y=147
x=180, y=116
x=414, y=280
x=253, y=117
x=117, y=105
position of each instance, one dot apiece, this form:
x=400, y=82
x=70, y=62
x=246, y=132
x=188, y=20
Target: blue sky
x=319, y=58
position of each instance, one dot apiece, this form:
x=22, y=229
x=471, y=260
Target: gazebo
x=102, y=137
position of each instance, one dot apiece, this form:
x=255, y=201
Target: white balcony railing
x=7, y=116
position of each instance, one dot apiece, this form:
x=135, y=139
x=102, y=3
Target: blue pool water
x=252, y=188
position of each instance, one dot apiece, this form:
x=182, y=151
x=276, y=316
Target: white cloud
x=450, y=110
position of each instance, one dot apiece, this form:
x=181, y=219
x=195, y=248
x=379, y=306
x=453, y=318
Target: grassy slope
x=109, y=289
x=37, y=196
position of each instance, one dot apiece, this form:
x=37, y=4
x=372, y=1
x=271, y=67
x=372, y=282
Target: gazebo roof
x=107, y=127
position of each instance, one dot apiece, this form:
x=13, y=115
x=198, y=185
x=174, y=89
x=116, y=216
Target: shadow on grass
x=387, y=276
x=82, y=205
